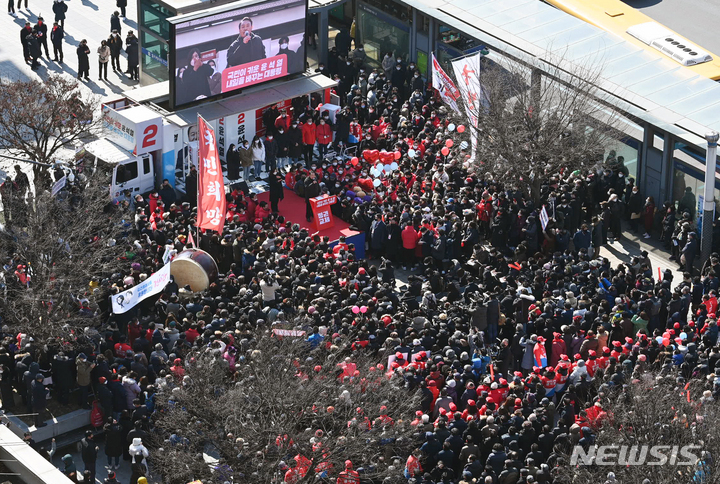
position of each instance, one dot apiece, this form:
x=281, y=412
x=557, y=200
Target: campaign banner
x=444, y=85
x=467, y=73
x=544, y=219
x=211, y=183
x=254, y=72
x=126, y=300
x=59, y=185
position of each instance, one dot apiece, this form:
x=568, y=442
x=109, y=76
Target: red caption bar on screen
x=254, y=72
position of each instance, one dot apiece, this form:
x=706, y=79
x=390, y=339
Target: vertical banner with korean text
x=211, y=185
x=467, y=73
x=444, y=85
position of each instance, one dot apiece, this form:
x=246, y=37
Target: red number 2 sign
x=149, y=136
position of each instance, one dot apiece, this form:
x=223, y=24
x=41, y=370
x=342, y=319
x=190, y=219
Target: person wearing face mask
x=245, y=155
x=56, y=36
x=417, y=82
x=115, y=43
x=271, y=149
x=635, y=207
x=294, y=141
x=283, y=120
x=358, y=56
x=398, y=76
x=283, y=148
x=388, y=64
x=133, y=59
x=342, y=126
x=294, y=62
x=367, y=143
x=40, y=30
x=309, y=136
x=196, y=79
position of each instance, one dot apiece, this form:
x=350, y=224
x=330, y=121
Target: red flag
x=211, y=185
x=192, y=240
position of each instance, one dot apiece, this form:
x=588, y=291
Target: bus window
x=146, y=165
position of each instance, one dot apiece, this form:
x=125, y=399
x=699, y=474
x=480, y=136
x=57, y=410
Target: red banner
x=211, y=185
x=254, y=72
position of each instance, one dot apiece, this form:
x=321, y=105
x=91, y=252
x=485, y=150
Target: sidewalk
x=84, y=20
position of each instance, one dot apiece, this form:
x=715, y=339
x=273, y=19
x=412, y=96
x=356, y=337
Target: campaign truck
x=143, y=144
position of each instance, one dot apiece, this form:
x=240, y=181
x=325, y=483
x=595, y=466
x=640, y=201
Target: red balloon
x=354, y=160
x=397, y=155
x=461, y=129
x=445, y=151
x=374, y=155
x=449, y=143
x=366, y=154
x=665, y=341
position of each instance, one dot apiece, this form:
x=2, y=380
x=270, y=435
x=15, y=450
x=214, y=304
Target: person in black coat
x=33, y=47
x=115, y=23
x=133, y=58
x=6, y=388
x=294, y=142
x=105, y=396
x=62, y=371
x=115, y=43
x=24, y=32
x=271, y=149
x=119, y=396
x=275, y=181
x=56, y=37
x=83, y=51
x=114, y=442
x=59, y=8
x=39, y=399
x=233, y=163
x=247, y=47
x=40, y=30
x=122, y=5
x=89, y=451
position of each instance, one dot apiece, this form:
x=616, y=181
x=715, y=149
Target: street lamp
x=709, y=200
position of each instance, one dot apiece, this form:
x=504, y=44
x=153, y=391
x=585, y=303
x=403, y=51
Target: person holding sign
x=248, y=47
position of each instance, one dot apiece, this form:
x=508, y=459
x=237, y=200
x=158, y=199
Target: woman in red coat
x=262, y=212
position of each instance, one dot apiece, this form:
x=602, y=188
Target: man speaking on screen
x=248, y=47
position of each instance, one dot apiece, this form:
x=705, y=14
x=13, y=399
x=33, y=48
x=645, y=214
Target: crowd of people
x=513, y=334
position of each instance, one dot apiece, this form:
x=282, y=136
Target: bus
x=616, y=17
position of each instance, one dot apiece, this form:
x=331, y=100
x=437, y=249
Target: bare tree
x=286, y=404
x=653, y=410
x=531, y=125
x=54, y=253
x=38, y=118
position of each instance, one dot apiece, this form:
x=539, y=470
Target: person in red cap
x=591, y=363
x=348, y=476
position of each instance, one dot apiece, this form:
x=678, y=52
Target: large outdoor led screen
x=223, y=50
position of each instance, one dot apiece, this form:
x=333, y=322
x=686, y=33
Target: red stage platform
x=292, y=207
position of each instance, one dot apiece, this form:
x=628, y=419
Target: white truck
x=143, y=144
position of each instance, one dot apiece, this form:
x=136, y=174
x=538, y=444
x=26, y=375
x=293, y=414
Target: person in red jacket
x=283, y=121
x=308, y=137
x=324, y=138
x=348, y=476
x=262, y=212
x=409, y=240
